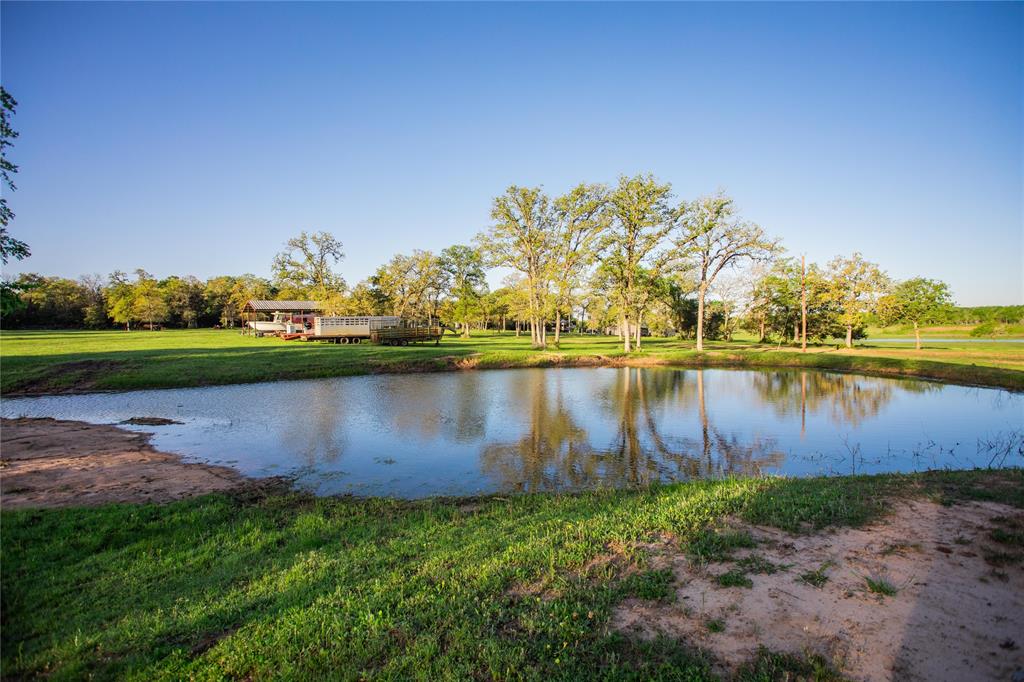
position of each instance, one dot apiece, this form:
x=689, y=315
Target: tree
x=915, y=300
x=640, y=219
x=464, y=271
x=581, y=218
x=855, y=287
x=716, y=239
x=120, y=298
x=244, y=289
x=522, y=238
x=9, y=246
x=410, y=285
x=303, y=268
x=184, y=296
x=148, y=302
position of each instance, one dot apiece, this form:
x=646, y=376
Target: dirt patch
x=952, y=616
x=52, y=463
x=79, y=376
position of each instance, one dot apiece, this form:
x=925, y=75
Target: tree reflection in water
x=557, y=452
x=849, y=399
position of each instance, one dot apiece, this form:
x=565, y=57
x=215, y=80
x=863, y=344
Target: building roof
x=282, y=306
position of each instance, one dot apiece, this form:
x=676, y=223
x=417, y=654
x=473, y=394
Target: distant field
x=1002, y=331
x=66, y=361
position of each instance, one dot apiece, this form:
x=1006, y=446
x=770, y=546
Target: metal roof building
x=256, y=306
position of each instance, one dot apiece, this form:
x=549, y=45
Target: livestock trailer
x=351, y=329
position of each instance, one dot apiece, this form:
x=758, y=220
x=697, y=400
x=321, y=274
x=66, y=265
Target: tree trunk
x=624, y=332
x=917, y=337
x=558, y=326
x=465, y=330
x=849, y=336
x=760, y=338
x=517, y=327
x=700, y=317
x=639, y=323
x=796, y=332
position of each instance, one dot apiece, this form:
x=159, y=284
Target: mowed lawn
x=56, y=361
x=287, y=586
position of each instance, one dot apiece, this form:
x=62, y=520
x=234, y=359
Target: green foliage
x=881, y=586
x=9, y=246
x=715, y=545
x=651, y=585
x=855, y=286
x=303, y=270
x=734, y=578
x=713, y=238
x=817, y=577
x=772, y=667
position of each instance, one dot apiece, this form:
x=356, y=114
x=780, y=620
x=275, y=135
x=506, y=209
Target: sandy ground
x=52, y=463
x=958, y=613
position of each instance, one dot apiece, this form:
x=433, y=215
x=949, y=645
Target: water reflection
x=534, y=430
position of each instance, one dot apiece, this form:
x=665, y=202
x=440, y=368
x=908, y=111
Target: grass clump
x=770, y=666
x=715, y=625
x=881, y=586
x=651, y=585
x=717, y=546
x=734, y=578
x=758, y=564
x=817, y=577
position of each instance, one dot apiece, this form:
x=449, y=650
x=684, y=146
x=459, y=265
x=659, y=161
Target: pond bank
x=56, y=463
x=96, y=376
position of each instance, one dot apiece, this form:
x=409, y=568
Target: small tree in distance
x=915, y=300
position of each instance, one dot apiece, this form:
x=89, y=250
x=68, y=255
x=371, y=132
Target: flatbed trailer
x=403, y=336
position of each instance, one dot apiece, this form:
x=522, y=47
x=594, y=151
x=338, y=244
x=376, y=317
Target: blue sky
x=196, y=138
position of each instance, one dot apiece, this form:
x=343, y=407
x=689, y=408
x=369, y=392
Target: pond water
x=475, y=432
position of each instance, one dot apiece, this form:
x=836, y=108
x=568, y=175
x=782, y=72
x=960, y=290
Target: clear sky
x=196, y=138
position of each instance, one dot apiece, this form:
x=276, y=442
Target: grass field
x=59, y=361
x=294, y=587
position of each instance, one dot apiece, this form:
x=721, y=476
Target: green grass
x=286, y=585
x=734, y=578
x=59, y=361
x=881, y=586
x=715, y=625
x=818, y=577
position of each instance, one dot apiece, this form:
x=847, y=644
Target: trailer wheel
x=405, y=342
x=343, y=339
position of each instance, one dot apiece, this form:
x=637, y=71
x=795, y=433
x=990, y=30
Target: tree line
x=626, y=258
x=622, y=259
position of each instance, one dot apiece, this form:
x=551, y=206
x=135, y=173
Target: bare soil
x=53, y=463
x=957, y=614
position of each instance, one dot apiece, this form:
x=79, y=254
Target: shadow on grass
x=300, y=587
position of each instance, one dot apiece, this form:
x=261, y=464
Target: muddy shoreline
x=57, y=463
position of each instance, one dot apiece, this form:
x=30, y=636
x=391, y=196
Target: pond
x=463, y=433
